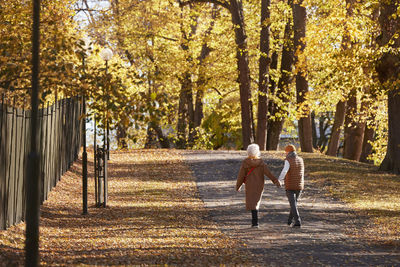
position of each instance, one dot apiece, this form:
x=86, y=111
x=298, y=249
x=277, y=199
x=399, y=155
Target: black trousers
x=254, y=217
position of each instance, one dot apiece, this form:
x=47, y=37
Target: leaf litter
x=154, y=215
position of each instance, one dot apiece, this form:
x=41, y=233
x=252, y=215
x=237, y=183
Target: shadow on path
x=322, y=240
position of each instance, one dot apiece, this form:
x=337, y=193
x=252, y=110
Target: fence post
x=105, y=166
x=100, y=176
x=51, y=142
x=24, y=153
x=19, y=161
x=108, y=138
x=10, y=176
x=44, y=136
x=59, y=139
x=15, y=184
x=2, y=188
x=40, y=151
x=105, y=157
x=47, y=151
x=95, y=159
x=84, y=159
x=63, y=137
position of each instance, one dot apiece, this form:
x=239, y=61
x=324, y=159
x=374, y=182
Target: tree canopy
x=178, y=74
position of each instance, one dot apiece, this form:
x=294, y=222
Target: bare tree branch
x=215, y=2
x=86, y=10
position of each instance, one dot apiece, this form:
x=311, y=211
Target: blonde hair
x=290, y=148
x=253, y=151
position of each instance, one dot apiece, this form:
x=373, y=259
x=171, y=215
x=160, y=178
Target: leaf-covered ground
x=369, y=191
x=154, y=216
x=331, y=229
x=157, y=214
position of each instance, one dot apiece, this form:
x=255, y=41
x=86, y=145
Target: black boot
x=297, y=223
x=290, y=219
x=254, y=218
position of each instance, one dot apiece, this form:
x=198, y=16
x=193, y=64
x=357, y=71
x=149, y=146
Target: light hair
x=253, y=151
x=290, y=148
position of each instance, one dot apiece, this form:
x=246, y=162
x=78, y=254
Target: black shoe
x=296, y=225
x=289, y=222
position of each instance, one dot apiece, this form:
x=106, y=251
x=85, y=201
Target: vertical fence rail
x=39, y=150
x=2, y=170
x=95, y=158
x=19, y=127
x=10, y=163
x=23, y=151
x=59, y=140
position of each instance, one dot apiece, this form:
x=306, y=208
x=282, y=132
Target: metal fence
x=59, y=141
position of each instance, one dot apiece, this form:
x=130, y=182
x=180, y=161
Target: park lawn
x=366, y=189
x=154, y=216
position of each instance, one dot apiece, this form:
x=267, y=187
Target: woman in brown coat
x=251, y=174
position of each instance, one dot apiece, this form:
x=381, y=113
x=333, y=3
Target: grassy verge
x=367, y=190
x=154, y=216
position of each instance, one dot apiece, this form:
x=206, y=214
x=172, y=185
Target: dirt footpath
x=323, y=239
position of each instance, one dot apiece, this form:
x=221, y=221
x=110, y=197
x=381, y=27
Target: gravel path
x=321, y=241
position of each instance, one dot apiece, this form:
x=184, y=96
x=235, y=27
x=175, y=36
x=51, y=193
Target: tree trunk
x=353, y=131
x=304, y=123
x=278, y=114
x=162, y=139
x=121, y=128
x=324, y=122
x=186, y=85
x=198, y=109
x=185, y=108
x=198, y=115
x=263, y=75
x=121, y=136
x=201, y=82
x=236, y=10
x=369, y=135
x=388, y=72
x=341, y=106
x=272, y=87
x=235, y=7
x=392, y=159
x=151, y=140
x=275, y=128
x=336, y=129
x=314, y=131
x=190, y=108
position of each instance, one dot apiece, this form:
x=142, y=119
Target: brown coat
x=254, y=185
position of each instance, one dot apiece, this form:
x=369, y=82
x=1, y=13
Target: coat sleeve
x=284, y=170
x=240, y=178
x=269, y=174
